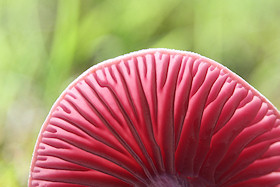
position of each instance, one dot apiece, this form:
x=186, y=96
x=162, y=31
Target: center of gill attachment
x=176, y=181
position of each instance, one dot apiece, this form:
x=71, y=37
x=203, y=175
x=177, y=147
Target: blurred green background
x=45, y=45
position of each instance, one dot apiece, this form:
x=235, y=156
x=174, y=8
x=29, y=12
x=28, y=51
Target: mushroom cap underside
x=157, y=115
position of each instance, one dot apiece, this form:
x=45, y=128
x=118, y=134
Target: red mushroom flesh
x=159, y=117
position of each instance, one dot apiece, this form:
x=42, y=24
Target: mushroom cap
x=159, y=117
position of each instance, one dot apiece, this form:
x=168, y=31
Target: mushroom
x=159, y=117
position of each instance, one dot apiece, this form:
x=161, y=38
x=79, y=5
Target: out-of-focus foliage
x=44, y=45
